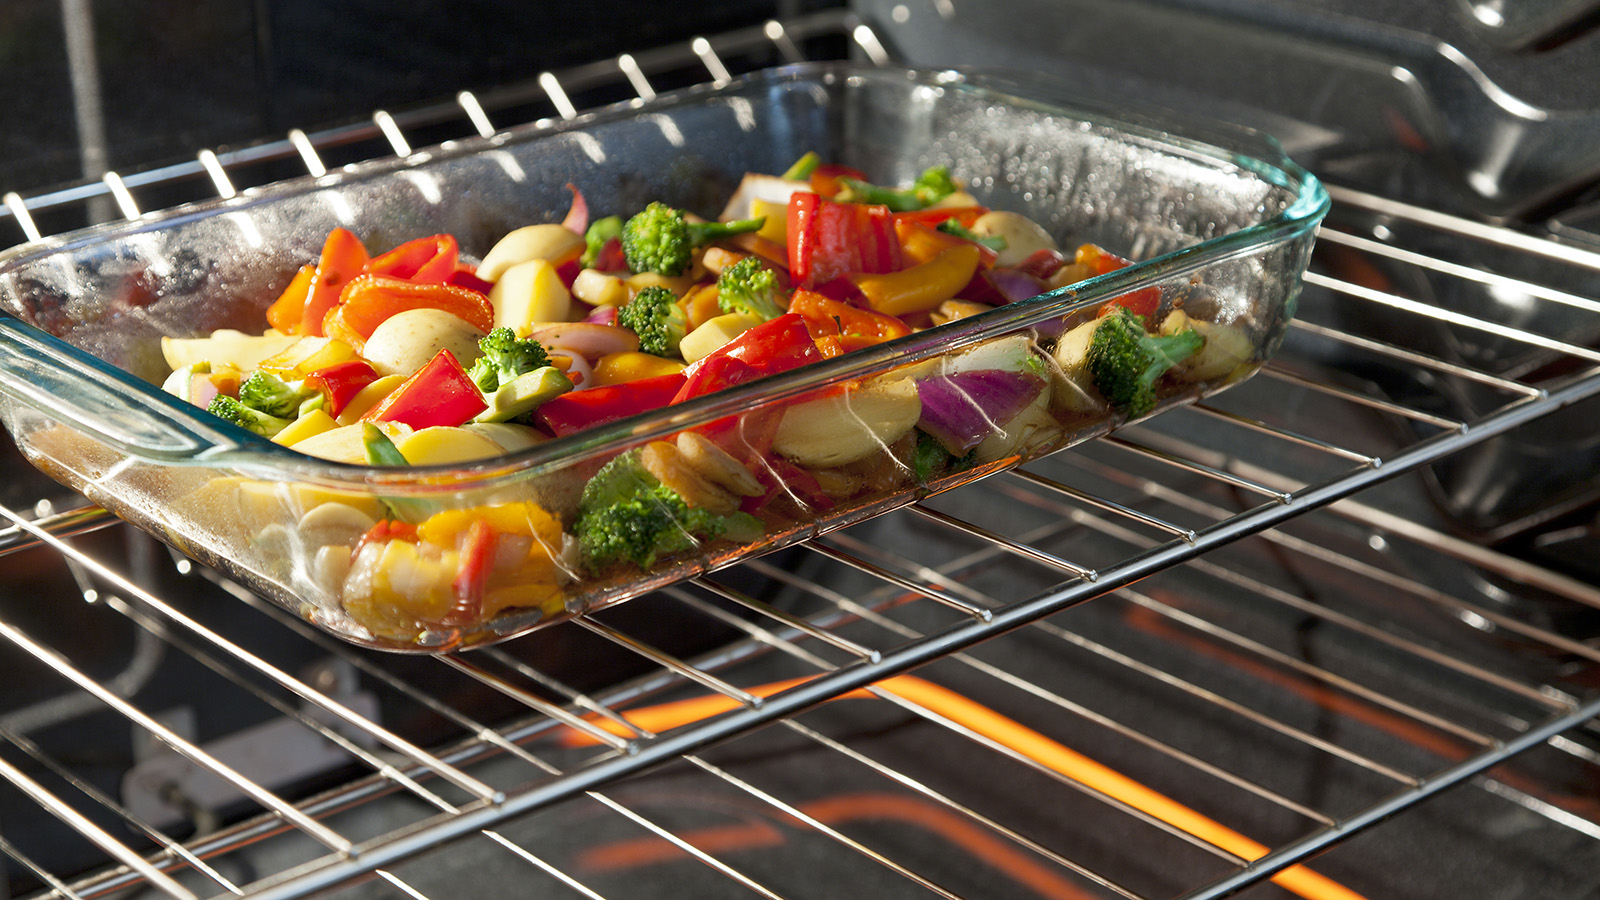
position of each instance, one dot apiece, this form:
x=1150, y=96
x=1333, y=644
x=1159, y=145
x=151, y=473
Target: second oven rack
x=1272, y=469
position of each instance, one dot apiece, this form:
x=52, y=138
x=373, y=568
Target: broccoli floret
x=595, y=238
x=933, y=185
x=655, y=316
x=230, y=409
x=626, y=515
x=505, y=356
x=659, y=239
x=930, y=459
x=1125, y=360
x=266, y=392
x=749, y=287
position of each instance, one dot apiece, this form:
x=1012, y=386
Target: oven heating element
x=1228, y=650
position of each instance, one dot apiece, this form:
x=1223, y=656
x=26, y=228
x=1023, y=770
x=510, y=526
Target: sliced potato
x=530, y=292
x=849, y=425
x=702, y=341
x=442, y=445
x=510, y=436
x=1022, y=235
x=406, y=341
x=225, y=347
x=552, y=243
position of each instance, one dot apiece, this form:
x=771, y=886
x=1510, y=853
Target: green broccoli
x=505, y=356
x=655, y=316
x=231, y=410
x=1125, y=360
x=659, y=239
x=595, y=238
x=930, y=459
x=266, y=392
x=626, y=515
x=749, y=287
x=933, y=185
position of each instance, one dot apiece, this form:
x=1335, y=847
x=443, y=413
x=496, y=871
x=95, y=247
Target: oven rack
x=1192, y=533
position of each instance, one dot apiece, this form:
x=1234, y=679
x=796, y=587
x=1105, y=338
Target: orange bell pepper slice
x=370, y=299
x=343, y=258
x=285, y=313
x=838, y=327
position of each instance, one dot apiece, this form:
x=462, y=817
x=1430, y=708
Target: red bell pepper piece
x=828, y=240
x=575, y=411
x=429, y=260
x=472, y=575
x=388, y=530
x=439, y=393
x=341, y=381
x=1042, y=263
x=370, y=299
x=343, y=258
x=1145, y=302
x=467, y=276
x=774, y=346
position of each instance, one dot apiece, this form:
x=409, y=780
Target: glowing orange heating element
x=1022, y=740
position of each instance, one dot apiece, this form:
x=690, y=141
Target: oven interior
x=1334, y=633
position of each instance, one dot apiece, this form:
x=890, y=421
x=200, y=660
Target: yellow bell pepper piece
x=312, y=423
x=631, y=365
x=368, y=397
x=922, y=287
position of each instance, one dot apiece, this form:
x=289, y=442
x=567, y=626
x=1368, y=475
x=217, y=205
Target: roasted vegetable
x=655, y=316
x=230, y=409
x=1125, y=360
x=506, y=356
x=933, y=185
x=750, y=288
x=659, y=238
x=627, y=515
x=266, y=392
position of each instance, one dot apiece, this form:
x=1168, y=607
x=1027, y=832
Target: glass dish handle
x=69, y=385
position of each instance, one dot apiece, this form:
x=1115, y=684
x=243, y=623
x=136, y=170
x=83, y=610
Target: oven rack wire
x=1191, y=532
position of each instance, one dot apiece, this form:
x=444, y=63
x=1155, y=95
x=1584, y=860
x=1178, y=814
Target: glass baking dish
x=1222, y=235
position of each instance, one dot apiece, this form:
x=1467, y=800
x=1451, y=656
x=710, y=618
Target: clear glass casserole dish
x=1222, y=236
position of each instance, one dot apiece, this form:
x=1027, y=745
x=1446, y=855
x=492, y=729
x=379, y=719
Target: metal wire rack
x=1271, y=667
